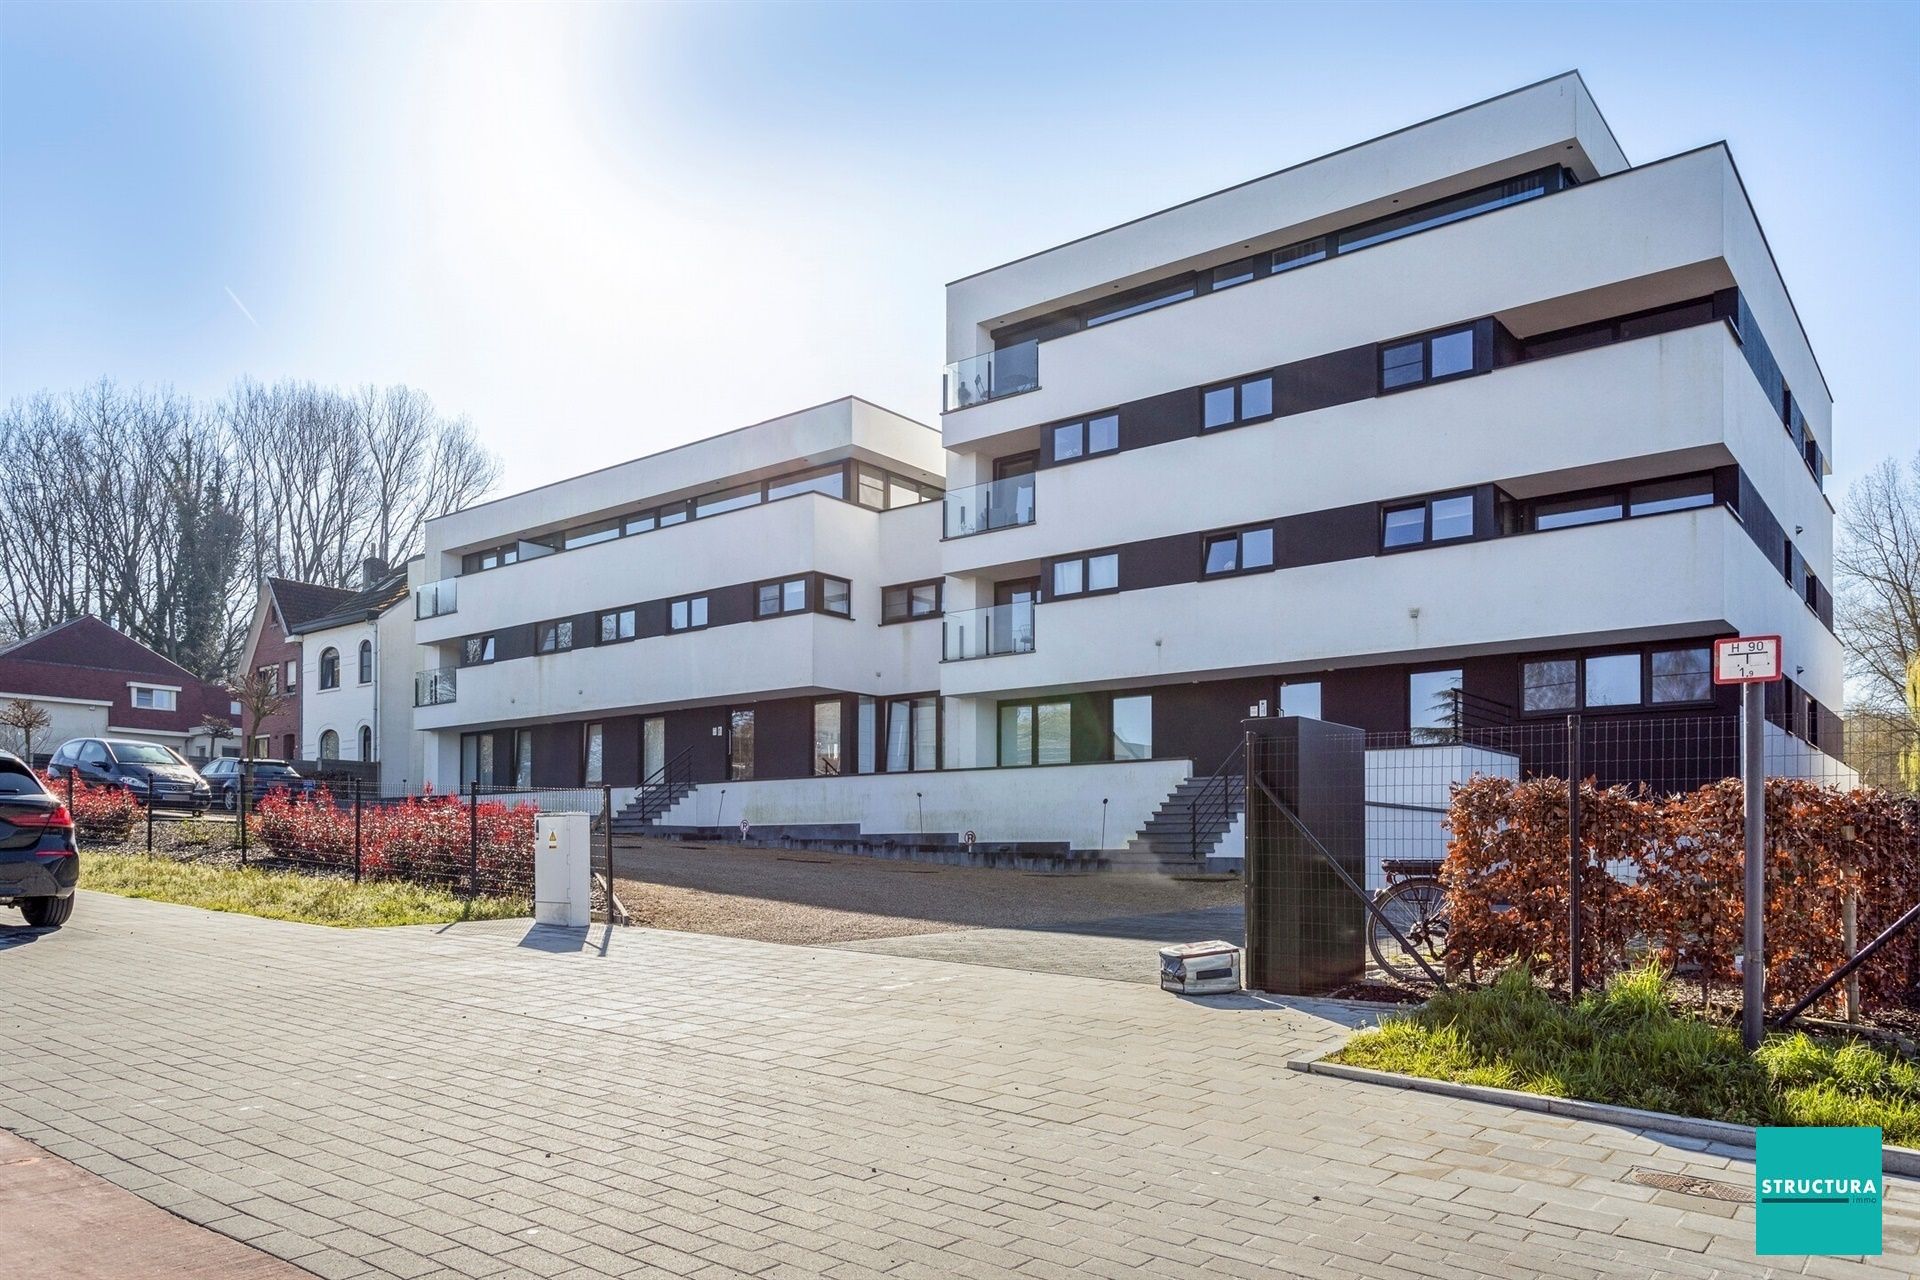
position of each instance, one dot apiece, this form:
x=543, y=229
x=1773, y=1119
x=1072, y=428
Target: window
x=1245, y=401
x=523, y=758
x=1086, y=575
x=1564, y=513
x=1433, y=358
x=1452, y=209
x=593, y=755
x=262, y=746
x=1649, y=498
x=1549, y=685
x=913, y=735
x=1134, y=303
x=639, y=522
x=867, y=733
x=1133, y=727
x=1434, y=705
x=152, y=699
x=588, y=534
x=1232, y=273
x=776, y=598
x=910, y=600
x=831, y=481
x=554, y=637
x=293, y=677
x=329, y=668
x=366, y=742
x=475, y=650
x=1670, y=495
x=689, y=614
x=1036, y=733
x=617, y=625
x=1299, y=255
x=712, y=504
x=872, y=490
x=366, y=662
x=1613, y=680
x=1243, y=551
x=270, y=676
x=329, y=745
x=1300, y=698
x=826, y=738
x=1085, y=439
x=1448, y=518
x=1683, y=675
x=836, y=596
x=672, y=513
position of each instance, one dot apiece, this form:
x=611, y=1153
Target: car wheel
x=46, y=913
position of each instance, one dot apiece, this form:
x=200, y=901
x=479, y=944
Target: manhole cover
x=1688, y=1185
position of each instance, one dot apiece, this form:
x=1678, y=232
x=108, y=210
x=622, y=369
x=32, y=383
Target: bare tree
x=1878, y=572
x=26, y=719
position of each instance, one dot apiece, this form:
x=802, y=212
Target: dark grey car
x=39, y=861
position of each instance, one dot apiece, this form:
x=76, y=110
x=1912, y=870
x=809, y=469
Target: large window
x=798, y=595
x=554, y=637
x=617, y=625
x=713, y=504
x=1133, y=304
x=1036, y=733
x=910, y=600
x=1434, y=357
x=588, y=534
x=1452, y=209
x=1597, y=506
x=1133, y=727
x=329, y=668
x=826, y=737
x=1613, y=680
x=831, y=480
x=1665, y=676
x=1434, y=712
x=1682, y=675
x=1446, y=518
x=776, y=598
x=1239, y=551
x=740, y=744
x=1071, y=440
x=1249, y=400
x=1549, y=684
x=1300, y=698
x=689, y=614
x=1299, y=255
x=1086, y=575
x=913, y=735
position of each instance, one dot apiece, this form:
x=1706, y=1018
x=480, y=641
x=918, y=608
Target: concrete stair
x=1167, y=844
x=628, y=821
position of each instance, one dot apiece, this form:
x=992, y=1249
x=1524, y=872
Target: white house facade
x=355, y=681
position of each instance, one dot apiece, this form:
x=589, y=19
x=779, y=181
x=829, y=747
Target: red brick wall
x=276, y=649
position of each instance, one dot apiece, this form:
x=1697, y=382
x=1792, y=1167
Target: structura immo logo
x=1817, y=1191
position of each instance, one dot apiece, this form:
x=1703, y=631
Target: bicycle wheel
x=1418, y=909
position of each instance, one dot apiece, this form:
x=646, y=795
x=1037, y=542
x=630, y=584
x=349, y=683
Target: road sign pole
x=1753, y=770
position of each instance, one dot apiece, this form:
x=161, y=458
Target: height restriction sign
x=1746, y=660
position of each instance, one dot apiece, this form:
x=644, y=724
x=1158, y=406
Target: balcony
x=991, y=375
x=435, y=688
x=999, y=504
x=437, y=599
x=987, y=633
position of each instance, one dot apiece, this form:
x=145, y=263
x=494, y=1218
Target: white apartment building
x=1475, y=423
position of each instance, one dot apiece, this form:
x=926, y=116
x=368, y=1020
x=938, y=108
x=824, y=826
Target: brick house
x=94, y=681
x=273, y=646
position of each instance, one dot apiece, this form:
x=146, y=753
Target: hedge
x=428, y=839
x=101, y=813
x=1665, y=875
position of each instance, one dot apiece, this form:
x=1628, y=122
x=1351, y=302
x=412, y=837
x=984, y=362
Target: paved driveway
x=491, y=1100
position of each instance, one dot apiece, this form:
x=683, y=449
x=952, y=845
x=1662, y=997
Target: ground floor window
x=826, y=737
x=476, y=759
x=1133, y=727
x=867, y=732
x=366, y=742
x=1300, y=698
x=740, y=744
x=913, y=735
x=329, y=745
x=594, y=754
x=1036, y=733
x=523, y=758
x=1433, y=705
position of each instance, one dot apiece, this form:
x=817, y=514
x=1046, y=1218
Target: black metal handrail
x=657, y=789
x=1214, y=800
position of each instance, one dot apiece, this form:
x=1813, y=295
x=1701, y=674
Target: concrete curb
x=1900, y=1160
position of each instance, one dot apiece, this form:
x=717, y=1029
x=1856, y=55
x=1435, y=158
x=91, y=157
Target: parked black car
x=151, y=773
x=39, y=861
x=224, y=776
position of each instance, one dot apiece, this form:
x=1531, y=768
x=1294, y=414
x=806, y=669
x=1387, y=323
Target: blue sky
x=602, y=230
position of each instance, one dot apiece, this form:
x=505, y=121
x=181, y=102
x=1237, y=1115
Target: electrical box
x=563, y=869
x=1200, y=968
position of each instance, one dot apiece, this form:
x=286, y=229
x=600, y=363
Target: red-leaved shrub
x=103, y=814
x=431, y=839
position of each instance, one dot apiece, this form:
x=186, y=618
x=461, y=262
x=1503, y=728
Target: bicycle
x=1416, y=904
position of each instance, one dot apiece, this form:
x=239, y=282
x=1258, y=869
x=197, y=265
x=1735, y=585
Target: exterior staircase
x=643, y=813
x=1173, y=841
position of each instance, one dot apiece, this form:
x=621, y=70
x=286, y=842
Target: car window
x=17, y=780
x=144, y=753
x=93, y=753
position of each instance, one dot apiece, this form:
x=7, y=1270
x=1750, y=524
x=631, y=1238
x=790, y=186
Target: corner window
x=1241, y=551
x=617, y=625
x=1432, y=358
x=1551, y=684
x=908, y=601
x=329, y=668
x=831, y=480
x=836, y=597
x=1447, y=518
x=554, y=637
x=1565, y=513
x=1670, y=495
x=1613, y=680
x=712, y=504
x=1683, y=675
x=475, y=650
x=1071, y=440
x=1086, y=575
x=689, y=614
x=1248, y=400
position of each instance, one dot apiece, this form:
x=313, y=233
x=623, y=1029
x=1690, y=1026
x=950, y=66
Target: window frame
x=1083, y=429
x=1575, y=703
x=1237, y=387
x=1051, y=591
x=364, y=660
x=1239, y=536
x=629, y=614
x=1425, y=506
x=489, y=649
x=939, y=586
x=1479, y=364
x=703, y=599
x=329, y=668
x=547, y=635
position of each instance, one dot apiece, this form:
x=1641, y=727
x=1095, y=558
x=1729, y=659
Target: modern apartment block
x=1472, y=424
x=722, y=607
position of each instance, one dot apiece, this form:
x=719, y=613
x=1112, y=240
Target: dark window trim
x=1238, y=534
x=1238, y=387
x=329, y=668
x=489, y=648
x=599, y=625
x=1425, y=506
x=1084, y=424
x=1579, y=659
x=1481, y=333
x=703, y=596
x=939, y=586
x=1047, y=592
x=813, y=599
x=541, y=630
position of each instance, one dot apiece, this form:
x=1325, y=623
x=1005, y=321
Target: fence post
x=356, y=831
x=150, y=819
x=1849, y=940
x=606, y=814
x=246, y=781
x=1576, y=950
x=473, y=839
